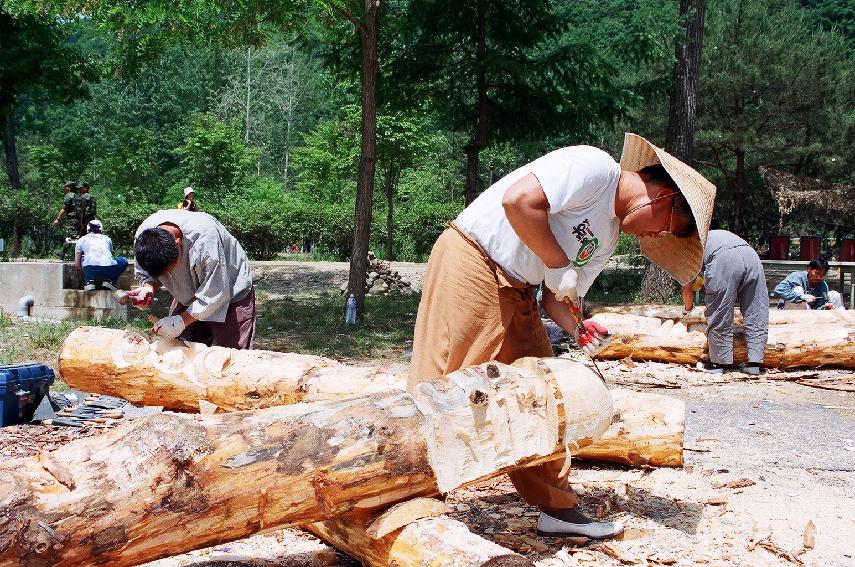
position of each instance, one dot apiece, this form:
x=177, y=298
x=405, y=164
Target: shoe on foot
x=571, y=522
x=89, y=287
x=711, y=367
x=752, y=368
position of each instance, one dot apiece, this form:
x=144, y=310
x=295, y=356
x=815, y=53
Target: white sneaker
x=553, y=527
x=89, y=287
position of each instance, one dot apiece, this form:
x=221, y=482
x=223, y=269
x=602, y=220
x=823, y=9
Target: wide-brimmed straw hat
x=680, y=257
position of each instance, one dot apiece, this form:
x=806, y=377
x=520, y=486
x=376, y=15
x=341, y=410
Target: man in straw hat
x=555, y=221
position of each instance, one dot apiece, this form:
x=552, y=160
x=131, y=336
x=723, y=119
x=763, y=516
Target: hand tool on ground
x=62, y=421
x=580, y=330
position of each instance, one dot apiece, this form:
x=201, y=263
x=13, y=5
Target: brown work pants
x=471, y=312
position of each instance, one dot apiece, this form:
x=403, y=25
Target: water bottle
x=350, y=315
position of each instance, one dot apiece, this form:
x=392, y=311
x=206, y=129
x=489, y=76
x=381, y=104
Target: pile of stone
x=381, y=279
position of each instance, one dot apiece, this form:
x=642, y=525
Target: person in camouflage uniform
x=88, y=206
x=70, y=210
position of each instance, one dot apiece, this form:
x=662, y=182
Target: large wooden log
x=648, y=431
x=776, y=316
x=170, y=483
x=166, y=373
x=418, y=540
x=809, y=339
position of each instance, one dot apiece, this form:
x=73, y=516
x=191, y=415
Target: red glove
x=141, y=297
x=594, y=339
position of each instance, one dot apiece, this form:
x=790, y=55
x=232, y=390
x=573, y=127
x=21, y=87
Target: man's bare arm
x=527, y=210
x=559, y=312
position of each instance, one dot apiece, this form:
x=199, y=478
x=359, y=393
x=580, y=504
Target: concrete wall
x=57, y=291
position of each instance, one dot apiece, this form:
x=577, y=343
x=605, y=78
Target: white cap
x=188, y=190
x=96, y=223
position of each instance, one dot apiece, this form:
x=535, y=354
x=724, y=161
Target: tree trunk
x=10, y=149
x=421, y=541
x=167, y=484
x=739, y=192
x=390, y=221
x=811, y=340
x=479, y=137
x=657, y=285
x=165, y=373
x=369, y=31
x=680, y=135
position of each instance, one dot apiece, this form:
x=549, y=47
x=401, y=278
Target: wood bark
x=166, y=373
x=166, y=484
x=480, y=136
x=808, y=339
x=368, y=30
x=420, y=541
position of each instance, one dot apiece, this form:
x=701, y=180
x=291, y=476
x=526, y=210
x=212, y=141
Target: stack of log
x=381, y=279
x=170, y=483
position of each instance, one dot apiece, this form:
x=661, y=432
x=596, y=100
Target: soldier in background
x=70, y=210
x=88, y=206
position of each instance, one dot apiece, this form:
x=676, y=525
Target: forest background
x=262, y=115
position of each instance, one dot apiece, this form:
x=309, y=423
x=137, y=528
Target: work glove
x=142, y=296
x=594, y=338
x=562, y=283
x=170, y=327
x=806, y=297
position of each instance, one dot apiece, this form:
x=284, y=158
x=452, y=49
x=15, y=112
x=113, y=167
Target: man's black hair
x=819, y=264
x=658, y=175
x=155, y=250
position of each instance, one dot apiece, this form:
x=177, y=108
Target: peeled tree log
x=648, y=433
x=414, y=533
x=170, y=483
x=166, y=373
x=808, y=339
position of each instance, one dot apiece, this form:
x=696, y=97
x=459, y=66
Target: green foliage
x=121, y=217
x=214, y=156
x=328, y=159
x=421, y=224
x=766, y=99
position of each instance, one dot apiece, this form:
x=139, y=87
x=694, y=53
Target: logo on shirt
x=590, y=243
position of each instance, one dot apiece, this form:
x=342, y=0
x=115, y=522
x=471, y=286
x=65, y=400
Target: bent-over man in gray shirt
x=733, y=275
x=205, y=269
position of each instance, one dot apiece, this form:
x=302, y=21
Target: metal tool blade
x=580, y=329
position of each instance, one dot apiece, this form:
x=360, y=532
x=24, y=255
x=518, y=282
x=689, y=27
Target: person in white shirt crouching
x=93, y=255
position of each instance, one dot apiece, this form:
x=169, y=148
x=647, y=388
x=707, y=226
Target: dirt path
x=284, y=278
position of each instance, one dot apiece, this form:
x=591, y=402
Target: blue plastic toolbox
x=22, y=387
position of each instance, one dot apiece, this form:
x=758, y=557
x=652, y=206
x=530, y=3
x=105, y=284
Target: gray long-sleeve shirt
x=212, y=269
x=784, y=290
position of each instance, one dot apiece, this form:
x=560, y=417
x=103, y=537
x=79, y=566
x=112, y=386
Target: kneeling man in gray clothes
x=732, y=274
x=207, y=272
